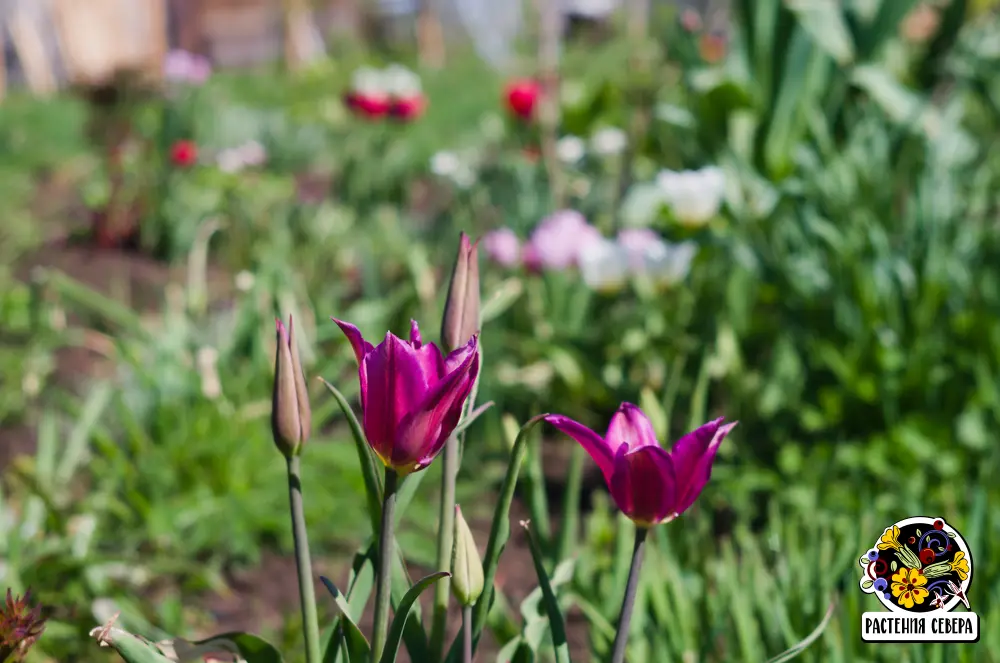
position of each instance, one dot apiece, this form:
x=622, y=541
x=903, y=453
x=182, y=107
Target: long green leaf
x=403, y=613
x=556, y=622
x=792, y=652
x=499, y=535
x=373, y=487
x=357, y=646
x=245, y=646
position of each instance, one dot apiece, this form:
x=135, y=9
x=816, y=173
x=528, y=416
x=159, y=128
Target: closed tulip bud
x=291, y=419
x=461, y=310
x=466, y=568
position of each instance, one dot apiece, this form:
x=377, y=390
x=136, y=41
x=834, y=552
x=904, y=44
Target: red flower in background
x=184, y=153
x=522, y=97
x=369, y=105
x=408, y=109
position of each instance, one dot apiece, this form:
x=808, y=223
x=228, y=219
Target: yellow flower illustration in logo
x=890, y=539
x=960, y=565
x=908, y=587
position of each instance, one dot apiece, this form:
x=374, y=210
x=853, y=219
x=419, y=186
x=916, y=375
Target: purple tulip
x=649, y=484
x=411, y=395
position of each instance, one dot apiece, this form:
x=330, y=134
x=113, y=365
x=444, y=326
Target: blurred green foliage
x=843, y=308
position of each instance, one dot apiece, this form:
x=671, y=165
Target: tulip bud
x=461, y=310
x=466, y=568
x=291, y=419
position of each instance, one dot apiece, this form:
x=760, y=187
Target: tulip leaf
x=499, y=534
x=800, y=647
x=131, y=648
x=357, y=646
x=406, y=493
x=245, y=646
x=403, y=612
x=373, y=487
x=556, y=623
x=414, y=635
x=502, y=299
x=470, y=418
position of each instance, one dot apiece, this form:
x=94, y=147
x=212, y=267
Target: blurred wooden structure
x=101, y=38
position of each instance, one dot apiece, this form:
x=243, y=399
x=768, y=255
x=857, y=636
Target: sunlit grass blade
x=403, y=613
x=808, y=640
x=556, y=622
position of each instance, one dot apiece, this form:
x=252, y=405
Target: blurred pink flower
x=557, y=241
x=637, y=241
x=502, y=246
x=185, y=67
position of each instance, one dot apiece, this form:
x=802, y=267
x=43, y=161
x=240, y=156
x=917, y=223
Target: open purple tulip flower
x=412, y=395
x=648, y=483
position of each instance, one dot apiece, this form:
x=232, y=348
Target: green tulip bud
x=466, y=568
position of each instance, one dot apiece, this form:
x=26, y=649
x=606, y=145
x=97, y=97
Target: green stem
x=303, y=564
x=445, y=543
x=628, y=603
x=386, y=548
x=467, y=634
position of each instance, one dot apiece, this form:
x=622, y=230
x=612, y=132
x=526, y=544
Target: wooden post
x=430, y=35
x=159, y=38
x=550, y=35
x=3, y=62
x=302, y=42
x=29, y=41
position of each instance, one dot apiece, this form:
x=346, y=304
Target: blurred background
x=793, y=219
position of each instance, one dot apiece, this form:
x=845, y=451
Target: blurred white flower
x=559, y=239
x=694, y=196
x=570, y=149
x=253, y=153
x=667, y=264
x=400, y=82
x=368, y=80
x=608, y=141
x=229, y=161
x=244, y=281
x=637, y=242
x=445, y=164
x=604, y=265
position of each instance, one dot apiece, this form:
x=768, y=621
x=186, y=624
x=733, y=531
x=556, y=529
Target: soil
x=258, y=599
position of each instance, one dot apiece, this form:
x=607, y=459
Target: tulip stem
x=628, y=603
x=467, y=634
x=445, y=544
x=303, y=563
x=386, y=548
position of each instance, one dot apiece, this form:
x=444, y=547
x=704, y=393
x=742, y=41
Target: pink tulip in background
x=648, y=483
x=636, y=242
x=557, y=241
x=502, y=246
x=411, y=395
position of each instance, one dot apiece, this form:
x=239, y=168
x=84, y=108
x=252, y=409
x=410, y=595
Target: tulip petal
x=393, y=384
x=415, y=339
x=422, y=433
x=630, y=426
x=593, y=443
x=643, y=484
x=691, y=447
x=691, y=480
x=458, y=356
x=358, y=343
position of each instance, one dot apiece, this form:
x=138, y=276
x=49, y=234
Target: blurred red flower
x=371, y=106
x=522, y=97
x=409, y=108
x=184, y=153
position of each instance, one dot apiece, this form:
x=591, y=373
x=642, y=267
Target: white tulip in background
x=694, y=196
x=608, y=141
x=398, y=81
x=368, y=80
x=604, y=265
x=235, y=159
x=667, y=264
x=452, y=167
x=570, y=149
